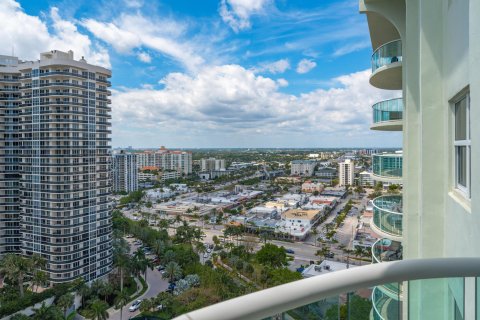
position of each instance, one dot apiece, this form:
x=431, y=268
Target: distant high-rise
x=55, y=163
x=164, y=159
x=346, y=173
x=125, y=172
x=212, y=164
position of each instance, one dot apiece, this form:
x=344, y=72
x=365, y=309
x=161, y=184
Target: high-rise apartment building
x=212, y=164
x=55, y=157
x=125, y=172
x=10, y=237
x=164, y=159
x=346, y=173
x=431, y=51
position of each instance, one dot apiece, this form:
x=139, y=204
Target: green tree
x=121, y=301
x=65, y=302
x=172, y=271
x=272, y=256
x=283, y=275
x=39, y=278
x=15, y=268
x=46, y=312
x=97, y=310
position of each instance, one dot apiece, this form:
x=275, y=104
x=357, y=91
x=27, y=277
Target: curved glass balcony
x=388, y=216
x=385, y=307
x=386, y=66
x=386, y=54
x=387, y=166
x=388, y=115
x=384, y=250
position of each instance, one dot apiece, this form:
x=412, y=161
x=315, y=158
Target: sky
x=216, y=73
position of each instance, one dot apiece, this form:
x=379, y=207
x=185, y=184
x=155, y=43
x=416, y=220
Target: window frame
x=467, y=142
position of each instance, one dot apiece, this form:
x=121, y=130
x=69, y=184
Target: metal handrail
x=268, y=302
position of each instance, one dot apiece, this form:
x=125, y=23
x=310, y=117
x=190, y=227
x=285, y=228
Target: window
x=462, y=144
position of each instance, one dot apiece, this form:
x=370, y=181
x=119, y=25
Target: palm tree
x=172, y=271
x=105, y=290
x=39, y=278
x=98, y=310
x=200, y=247
x=64, y=302
x=146, y=305
x=121, y=301
x=83, y=290
x=315, y=233
x=46, y=312
x=14, y=268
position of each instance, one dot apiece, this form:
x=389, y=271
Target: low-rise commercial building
x=311, y=187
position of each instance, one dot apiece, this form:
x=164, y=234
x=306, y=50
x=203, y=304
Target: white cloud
x=305, y=65
x=144, y=57
x=279, y=66
x=237, y=13
x=132, y=31
x=351, y=47
x=135, y=4
x=229, y=99
x=282, y=82
x=29, y=35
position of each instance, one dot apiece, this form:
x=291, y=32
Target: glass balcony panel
x=386, y=250
x=387, y=214
x=354, y=306
x=387, y=165
x=389, y=53
x=388, y=110
x=385, y=307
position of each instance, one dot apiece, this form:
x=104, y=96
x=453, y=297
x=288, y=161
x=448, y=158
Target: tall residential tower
x=56, y=125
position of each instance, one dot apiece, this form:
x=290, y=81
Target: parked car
x=330, y=255
x=289, y=251
x=160, y=268
x=205, y=255
x=135, y=306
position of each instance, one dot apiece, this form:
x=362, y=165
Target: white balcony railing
x=273, y=301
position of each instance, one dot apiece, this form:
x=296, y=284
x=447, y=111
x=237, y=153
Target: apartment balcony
x=384, y=307
x=316, y=294
x=388, y=115
x=388, y=216
x=387, y=66
x=387, y=167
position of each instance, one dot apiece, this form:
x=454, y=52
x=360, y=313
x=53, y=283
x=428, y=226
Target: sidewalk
x=112, y=310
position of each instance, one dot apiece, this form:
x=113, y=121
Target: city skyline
x=224, y=74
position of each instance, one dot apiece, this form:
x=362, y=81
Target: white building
x=298, y=222
x=346, y=173
x=164, y=159
x=325, y=267
x=55, y=164
x=365, y=179
x=125, y=174
x=302, y=167
x=212, y=164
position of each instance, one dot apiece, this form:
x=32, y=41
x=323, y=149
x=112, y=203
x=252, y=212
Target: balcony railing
x=387, y=166
x=384, y=306
x=390, y=52
x=384, y=250
x=275, y=301
x=388, y=111
x=388, y=215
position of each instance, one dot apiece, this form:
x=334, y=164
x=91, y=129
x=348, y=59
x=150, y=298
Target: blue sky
x=217, y=73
